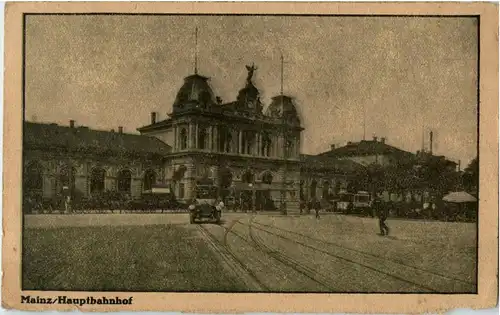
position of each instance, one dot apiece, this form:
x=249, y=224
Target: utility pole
x=364, y=121
x=196, y=51
x=285, y=151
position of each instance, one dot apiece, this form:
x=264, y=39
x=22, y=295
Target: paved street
x=269, y=252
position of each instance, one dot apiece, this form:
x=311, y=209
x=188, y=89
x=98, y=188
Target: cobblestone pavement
x=335, y=253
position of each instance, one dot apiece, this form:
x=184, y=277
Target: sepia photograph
x=247, y=153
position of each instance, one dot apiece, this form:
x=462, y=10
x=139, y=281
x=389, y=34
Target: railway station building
x=238, y=147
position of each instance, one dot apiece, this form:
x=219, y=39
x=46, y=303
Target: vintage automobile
x=204, y=209
x=204, y=205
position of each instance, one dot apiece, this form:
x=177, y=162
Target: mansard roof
x=319, y=162
x=283, y=107
x=52, y=136
x=364, y=148
x=195, y=92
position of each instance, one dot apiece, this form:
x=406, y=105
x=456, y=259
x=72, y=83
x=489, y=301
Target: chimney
x=430, y=136
x=153, y=117
x=332, y=147
x=72, y=124
x=382, y=140
x=120, y=129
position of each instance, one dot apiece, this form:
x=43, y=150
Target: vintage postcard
x=250, y=157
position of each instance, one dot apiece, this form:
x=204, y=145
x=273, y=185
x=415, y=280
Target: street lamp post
x=253, y=196
x=285, y=156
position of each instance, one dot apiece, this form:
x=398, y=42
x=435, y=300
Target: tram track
x=296, y=266
x=236, y=265
x=319, y=279
x=371, y=255
x=399, y=271
x=290, y=262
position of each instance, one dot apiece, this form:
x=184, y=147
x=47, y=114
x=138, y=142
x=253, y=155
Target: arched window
x=224, y=141
x=202, y=139
x=267, y=178
x=288, y=148
x=248, y=142
x=67, y=177
x=97, y=177
x=336, y=188
x=312, y=189
x=266, y=145
x=183, y=139
x=33, y=179
x=149, y=180
x=326, y=190
x=225, y=178
x=248, y=177
x=124, y=181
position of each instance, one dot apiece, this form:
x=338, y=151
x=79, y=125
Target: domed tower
x=194, y=93
x=248, y=98
x=282, y=107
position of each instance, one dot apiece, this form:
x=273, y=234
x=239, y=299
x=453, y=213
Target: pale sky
x=408, y=73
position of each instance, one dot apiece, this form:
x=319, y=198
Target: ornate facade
x=231, y=144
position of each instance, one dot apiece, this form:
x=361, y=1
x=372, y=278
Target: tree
x=470, y=177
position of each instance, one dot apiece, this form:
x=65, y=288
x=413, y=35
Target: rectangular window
x=181, y=191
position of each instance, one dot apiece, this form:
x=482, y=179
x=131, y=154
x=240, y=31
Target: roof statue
x=250, y=70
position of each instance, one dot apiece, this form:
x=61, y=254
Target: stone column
x=190, y=136
x=297, y=147
x=210, y=138
x=215, y=173
x=240, y=142
x=279, y=146
x=259, y=144
x=190, y=184
x=234, y=141
x=110, y=183
x=176, y=138
x=81, y=184
x=48, y=186
x=136, y=187
x=196, y=135
x=216, y=138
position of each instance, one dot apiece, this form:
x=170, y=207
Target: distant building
x=324, y=177
x=368, y=152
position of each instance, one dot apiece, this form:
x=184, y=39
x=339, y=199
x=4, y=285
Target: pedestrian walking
x=381, y=211
x=67, y=204
x=220, y=205
x=316, y=207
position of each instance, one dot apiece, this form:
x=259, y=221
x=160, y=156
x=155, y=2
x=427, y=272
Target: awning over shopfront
x=255, y=186
x=158, y=189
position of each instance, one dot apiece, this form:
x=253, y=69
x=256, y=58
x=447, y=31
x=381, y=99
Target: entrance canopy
x=158, y=189
x=254, y=186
